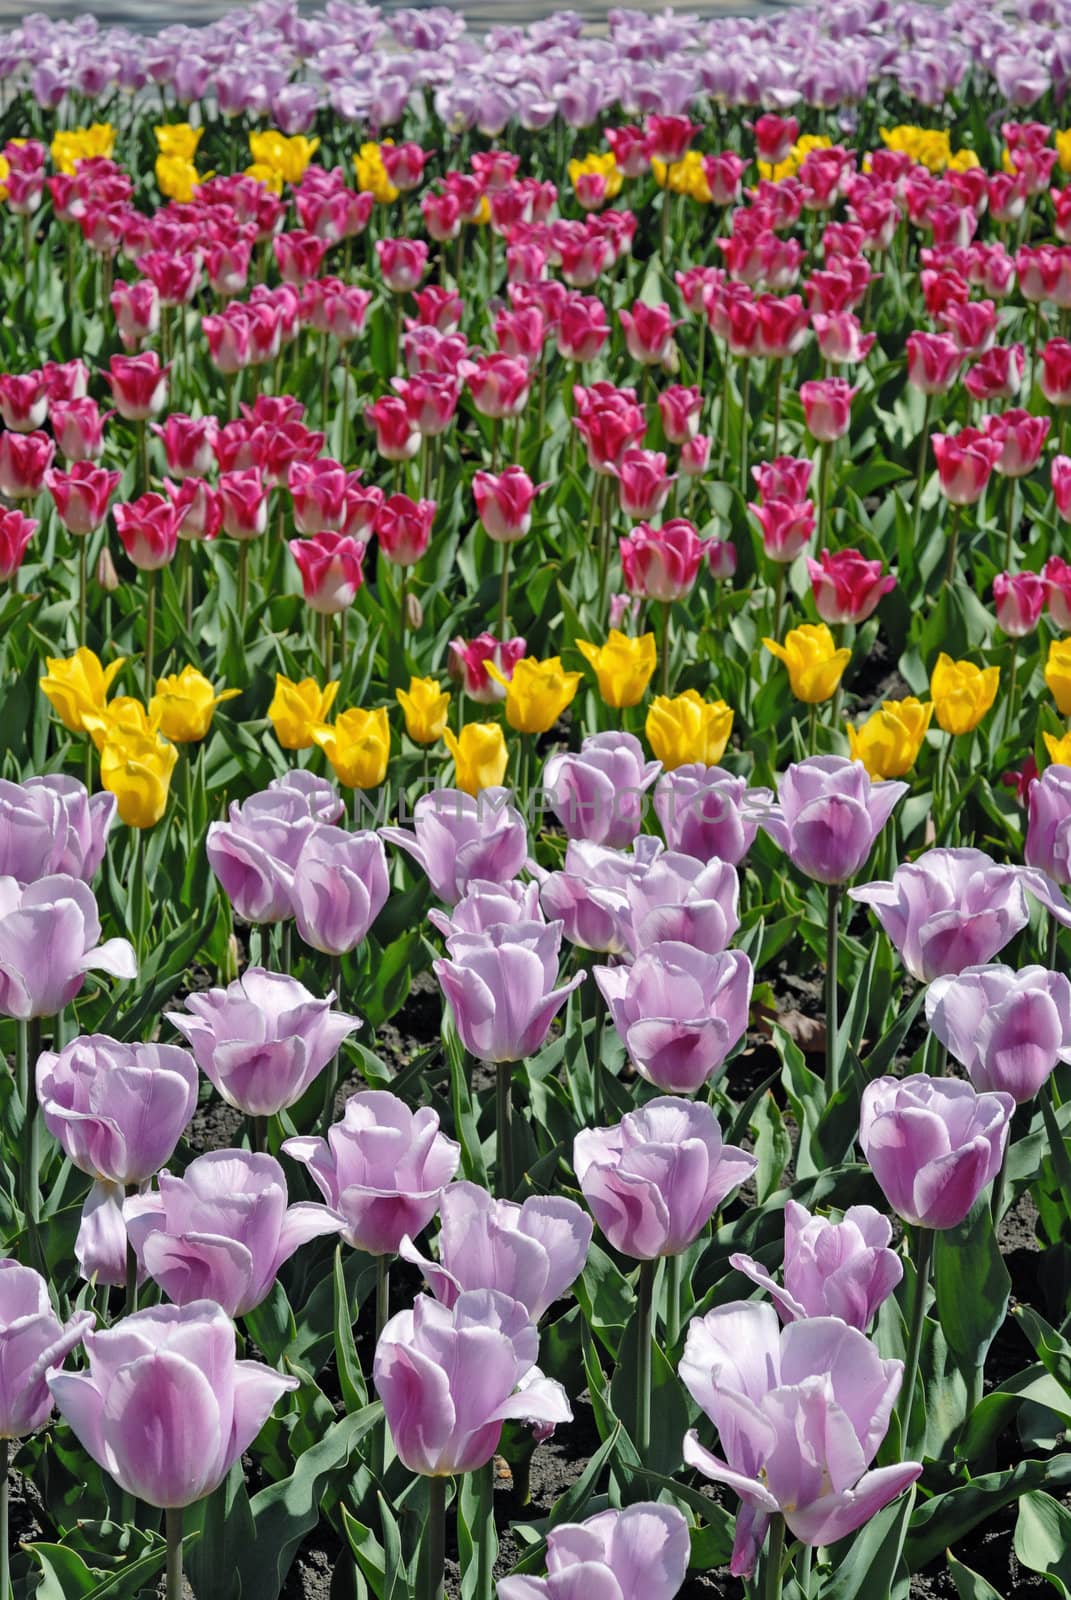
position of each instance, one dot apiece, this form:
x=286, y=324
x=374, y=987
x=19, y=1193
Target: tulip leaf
x=971, y=1585
x=866, y=1564
x=465, y=1130
x=212, y=1558
x=66, y=1576
x=807, y=1097
x=972, y=1284
x=773, y=1147
x=948, y=1517
x=572, y=1504
x=477, y=1538
x=284, y=1512
x=350, y=1377
x=1043, y=1538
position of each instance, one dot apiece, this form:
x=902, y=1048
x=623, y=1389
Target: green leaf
x=212, y=1556
x=807, y=1097
x=773, y=1147
x=970, y=1585
x=1043, y=1538
x=946, y=1518
x=477, y=1539
x=350, y=1377
x=866, y=1565
x=972, y=1284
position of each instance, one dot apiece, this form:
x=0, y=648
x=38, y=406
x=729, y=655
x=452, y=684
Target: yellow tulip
x=136, y=768
x=537, y=694
x=425, y=705
x=121, y=718
x=357, y=744
x=72, y=145
x=177, y=178
x=77, y=685
x=687, y=729
x=890, y=739
x=606, y=163
x=185, y=703
x=815, y=665
x=297, y=709
x=622, y=666
x=480, y=756
x=962, y=693
x=1059, y=749
x=1062, y=140
x=372, y=174
x=1058, y=675
x=178, y=139
x=289, y=157
x=270, y=177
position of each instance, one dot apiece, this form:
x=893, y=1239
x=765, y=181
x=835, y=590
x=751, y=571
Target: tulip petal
x=837, y=1515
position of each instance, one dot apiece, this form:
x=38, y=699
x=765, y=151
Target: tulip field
x=535, y=806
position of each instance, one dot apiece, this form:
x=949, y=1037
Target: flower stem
x=5, y=1541
x=504, y=1117
x=435, y=1539
x=775, y=1558
x=920, y=475
x=779, y=369
x=382, y=1293
x=953, y=542
x=1057, y=1146
x=666, y=608
x=745, y=410
x=644, y=1333
x=674, y=1270
x=174, y=1553
x=150, y=632
x=1009, y=541
x=832, y=944
x=503, y=595
x=825, y=457
x=83, y=559
x=924, y=1241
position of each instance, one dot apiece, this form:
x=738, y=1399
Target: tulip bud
x=107, y=577
x=414, y=611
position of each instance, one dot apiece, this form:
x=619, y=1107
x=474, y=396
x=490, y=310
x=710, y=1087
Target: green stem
x=779, y=368
x=186, y=581
x=924, y=1242
x=83, y=562
x=173, y=1518
x=779, y=599
x=920, y=475
x=503, y=595
x=775, y=1558
x=435, y=1540
x=803, y=1570
x=812, y=730
x=666, y=609
x=138, y=894
x=832, y=943
x=143, y=456
x=1009, y=541
x=504, y=1117
x=5, y=1539
x=131, y=1274
x=825, y=457
x=953, y=542
x=382, y=1294
x=150, y=632
x=258, y=1134
x=674, y=1272
x=1057, y=1146
x=745, y=412
x=243, y=582
x=327, y=1116
x=1013, y=689
x=644, y=1336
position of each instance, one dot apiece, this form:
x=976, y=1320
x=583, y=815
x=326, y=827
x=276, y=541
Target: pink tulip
x=136, y=307
x=827, y=407
x=24, y=460
x=998, y=375
x=438, y=308
x=695, y=457
x=965, y=462
x=1056, y=576
x=828, y=815
x=138, y=385
x=402, y=263
x=403, y=527
x=458, y=839
x=468, y=663
x=609, y=421
x=199, y=508
x=1021, y=437
x=396, y=437
x=78, y=428
x=669, y=136
x=23, y=401
x=148, y=530
x=1019, y=598
x=33, y=1344
x=783, y=323
x=680, y=409
x=404, y=164
x=1061, y=484
x=504, y=503
x=430, y=401
x=841, y=339
x=643, y=482
x=1056, y=372
x=81, y=496
x=189, y=444
x=648, y=333
x=786, y=478
x=499, y=386
x=847, y=587
x=1008, y=1028
x=229, y=336
x=933, y=360
x=331, y=570
x=49, y=940
x=661, y=563
x=244, y=498
x=597, y=793
x=831, y=1269
x=774, y=137
x=442, y=216
x=16, y=531
x=787, y=527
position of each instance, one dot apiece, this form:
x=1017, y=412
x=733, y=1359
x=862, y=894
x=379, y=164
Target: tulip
x=1048, y=833
x=16, y=531
x=458, y=838
x=828, y=815
x=537, y=692
x=223, y=1230
x=707, y=813
x=815, y=666
x=1021, y=437
x=1019, y=598
x=486, y=905
x=331, y=570
x=136, y=308
x=786, y=478
x=517, y=964
x=648, y=333
x=297, y=709
x=504, y=503
x=827, y=404
x=396, y=437
x=841, y=339
x=933, y=1144
x=49, y=940
x=198, y=506
x=589, y=896
x=1058, y=674
x=965, y=461
x=403, y=527
x=357, y=744
x=933, y=359
x=430, y=400
x=499, y=385
x=680, y=409
x=1008, y=1029
x=78, y=686
x=81, y=496
x=425, y=706
x=402, y=263
x=643, y=482
x=244, y=498
x=688, y=901
x=382, y=1169
x=998, y=375
x=33, y=1343
x=449, y=1377
x=948, y=910
x=150, y=1369
x=581, y=329
x=762, y=1386
x=654, y=1181
x=1056, y=576
x=962, y=693
x=1061, y=485
x=480, y=756
x=468, y=662
x=189, y=444
x=123, y=717
x=787, y=526
x=623, y=666
x=598, y=793
x=185, y=703
x=148, y=529
x=1056, y=372
x=339, y=887
x=661, y=563
x=51, y=825
x=136, y=768
x=831, y=1269
x=263, y=1040
x=531, y=1252
x=889, y=741
x=24, y=462
x=679, y=1011
x=253, y=854
x=693, y=462
x=138, y=385
x=847, y=587
x=687, y=729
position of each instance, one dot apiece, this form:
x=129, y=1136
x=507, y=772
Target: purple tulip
x=828, y=815
x=488, y=905
x=933, y=1144
x=501, y=988
x=638, y=1553
x=165, y=1408
x=222, y=1231
x=254, y=853
x=832, y=1269
x=683, y=899
x=32, y=1343
x=590, y=895
x=531, y=1252
x=948, y=910
x=679, y=1011
x=768, y=1389
x=449, y=1377
x=49, y=940
x=598, y=793
x=655, y=1180
x=51, y=825
x=263, y=1039
x=1007, y=1028
x=707, y=813
x=458, y=837
x=1048, y=833
x=383, y=1168
x=339, y=887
